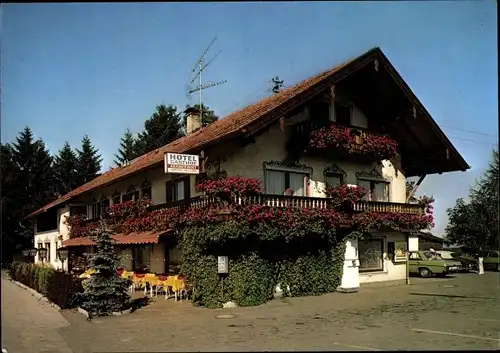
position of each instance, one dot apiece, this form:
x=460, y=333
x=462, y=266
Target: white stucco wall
x=51, y=237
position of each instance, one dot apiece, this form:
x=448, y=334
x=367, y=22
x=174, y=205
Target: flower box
x=348, y=141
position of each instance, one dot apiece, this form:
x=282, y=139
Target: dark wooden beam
x=414, y=190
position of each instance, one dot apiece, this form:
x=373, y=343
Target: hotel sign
x=176, y=163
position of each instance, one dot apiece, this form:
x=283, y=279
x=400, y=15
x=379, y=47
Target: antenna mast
x=197, y=73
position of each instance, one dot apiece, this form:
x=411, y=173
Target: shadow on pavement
x=451, y=296
x=140, y=303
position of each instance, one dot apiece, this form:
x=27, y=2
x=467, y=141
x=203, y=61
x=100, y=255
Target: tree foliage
x=163, y=127
x=128, y=149
x=207, y=116
x=89, y=162
x=474, y=224
x=65, y=170
x=27, y=184
x=105, y=291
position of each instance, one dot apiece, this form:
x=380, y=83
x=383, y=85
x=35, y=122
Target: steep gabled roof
x=241, y=122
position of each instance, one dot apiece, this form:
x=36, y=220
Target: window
x=178, y=189
x=104, y=205
x=278, y=181
x=131, y=195
x=146, y=190
x=493, y=254
x=371, y=255
x=343, y=114
x=378, y=190
x=78, y=210
x=47, y=221
x=47, y=246
x=117, y=198
x=415, y=256
x=141, y=258
x=146, y=193
x=391, y=250
x=96, y=210
x=333, y=179
x=127, y=197
x=320, y=114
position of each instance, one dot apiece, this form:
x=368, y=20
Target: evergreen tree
x=475, y=224
x=128, y=149
x=207, y=116
x=89, y=162
x=10, y=228
x=105, y=292
x=163, y=127
x=65, y=170
x=27, y=184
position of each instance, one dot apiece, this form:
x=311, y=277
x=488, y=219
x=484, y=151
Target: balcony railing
x=297, y=202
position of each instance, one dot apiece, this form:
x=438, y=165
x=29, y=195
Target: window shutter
x=170, y=191
x=187, y=188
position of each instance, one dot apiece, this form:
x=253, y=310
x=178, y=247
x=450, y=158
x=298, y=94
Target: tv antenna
x=197, y=73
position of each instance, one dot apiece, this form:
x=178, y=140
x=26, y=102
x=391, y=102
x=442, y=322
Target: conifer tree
x=65, y=170
x=89, y=162
x=105, y=291
x=163, y=127
x=128, y=149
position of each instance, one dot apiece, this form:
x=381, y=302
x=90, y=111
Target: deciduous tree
x=474, y=224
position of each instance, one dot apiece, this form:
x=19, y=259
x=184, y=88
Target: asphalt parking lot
x=459, y=312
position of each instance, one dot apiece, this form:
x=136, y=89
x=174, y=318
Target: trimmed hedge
x=308, y=265
x=57, y=286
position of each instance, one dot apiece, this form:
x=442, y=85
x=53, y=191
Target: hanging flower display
x=338, y=137
x=135, y=216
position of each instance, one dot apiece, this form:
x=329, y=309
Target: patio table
x=176, y=283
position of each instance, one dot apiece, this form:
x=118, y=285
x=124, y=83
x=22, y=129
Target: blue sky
x=97, y=69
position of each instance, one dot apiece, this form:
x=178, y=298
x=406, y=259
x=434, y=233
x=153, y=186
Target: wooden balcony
x=298, y=202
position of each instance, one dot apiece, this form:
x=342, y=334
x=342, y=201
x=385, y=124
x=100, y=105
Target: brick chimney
x=193, y=120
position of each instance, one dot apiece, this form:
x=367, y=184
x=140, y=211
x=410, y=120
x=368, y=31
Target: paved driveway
x=461, y=312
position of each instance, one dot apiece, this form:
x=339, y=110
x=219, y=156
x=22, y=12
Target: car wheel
x=424, y=272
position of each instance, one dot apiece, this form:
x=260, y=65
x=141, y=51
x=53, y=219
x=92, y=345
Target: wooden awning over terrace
x=120, y=239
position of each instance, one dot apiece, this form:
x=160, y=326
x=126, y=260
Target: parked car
x=468, y=263
x=491, y=259
x=427, y=263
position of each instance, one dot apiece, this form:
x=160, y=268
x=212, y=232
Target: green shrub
x=308, y=265
x=58, y=286
x=251, y=280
